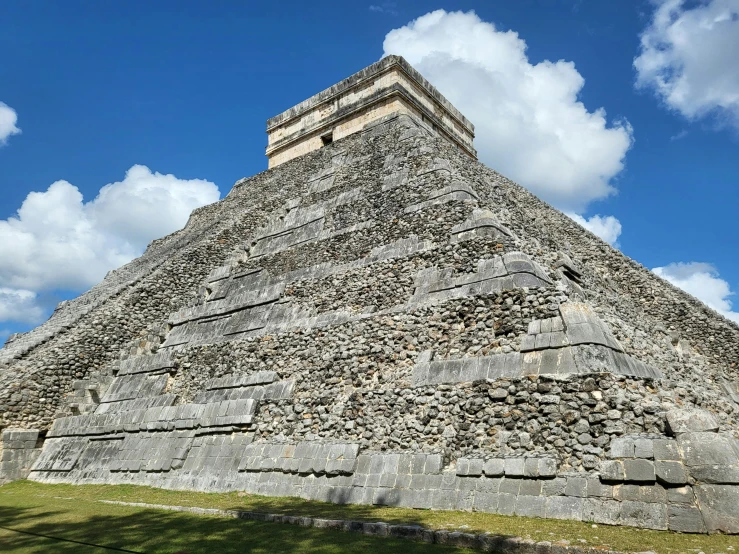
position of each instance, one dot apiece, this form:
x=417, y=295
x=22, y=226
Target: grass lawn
x=47, y=513
x=36, y=519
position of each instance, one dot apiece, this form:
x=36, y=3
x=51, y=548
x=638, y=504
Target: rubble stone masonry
x=384, y=320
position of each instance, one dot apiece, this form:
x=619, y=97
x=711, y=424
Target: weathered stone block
x=403, y=481
x=391, y=462
x=506, y=503
x=612, y=471
x=547, y=467
x=555, y=487
x=444, y=499
x=386, y=497
x=703, y=449
x=434, y=463
x=388, y=479
x=530, y=487
x=485, y=502
x=643, y=448
x=449, y=480
x=462, y=466
x=639, y=471
x=685, y=519
x=530, y=506
x=671, y=473
x=405, y=463
x=681, y=495
x=720, y=475
x=643, y=514
x=510, y=486
x=655, y=494
x=376, y=528
x=576, y=486
x=475, y=467
x=494, y=467
x=420, y=499
x=597, y=489
x=488, y=484
x=531, y=467
x=418, y=461
x=622, y=447
x=466, y=484
x=363, y=463
x=689, y=420
x=666, y=449
x=563, y=507
x=718, y=504
x=607, y=512
x=514, y=467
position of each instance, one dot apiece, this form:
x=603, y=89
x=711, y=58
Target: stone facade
x=19, y=450
x=390, y=86
x=385, y=321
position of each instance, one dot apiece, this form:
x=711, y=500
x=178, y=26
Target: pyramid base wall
x=523, y=486
x=19, y=450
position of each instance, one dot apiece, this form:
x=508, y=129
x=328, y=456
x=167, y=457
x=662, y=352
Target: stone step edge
x=483, y=541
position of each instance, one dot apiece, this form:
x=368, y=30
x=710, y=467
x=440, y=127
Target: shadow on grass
x=337, y=507
x=82, y=527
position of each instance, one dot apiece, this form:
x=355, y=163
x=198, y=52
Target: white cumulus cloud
x=607, y=227
x=389, y=8
x=19, y=305
x=689, y=59
x=701, y=280
x=528, y=120
x=57, y=241
x=8, y=120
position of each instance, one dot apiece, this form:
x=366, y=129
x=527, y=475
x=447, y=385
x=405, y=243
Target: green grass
x=42, y=519
x=75, y=513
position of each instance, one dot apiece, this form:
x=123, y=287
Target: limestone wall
x=19, y=450
x=383, y=321
x=311, y=141
x=390, y=85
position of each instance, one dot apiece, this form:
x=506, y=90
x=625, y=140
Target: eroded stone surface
x=718, y=504
x=384, y=321
x=691, y=421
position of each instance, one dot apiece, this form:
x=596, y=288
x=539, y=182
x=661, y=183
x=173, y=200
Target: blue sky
x=157, y=104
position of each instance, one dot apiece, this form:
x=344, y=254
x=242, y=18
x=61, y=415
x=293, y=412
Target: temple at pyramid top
x=390, y=85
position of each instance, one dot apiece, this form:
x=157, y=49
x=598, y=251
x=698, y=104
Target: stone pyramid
x=381, y=319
